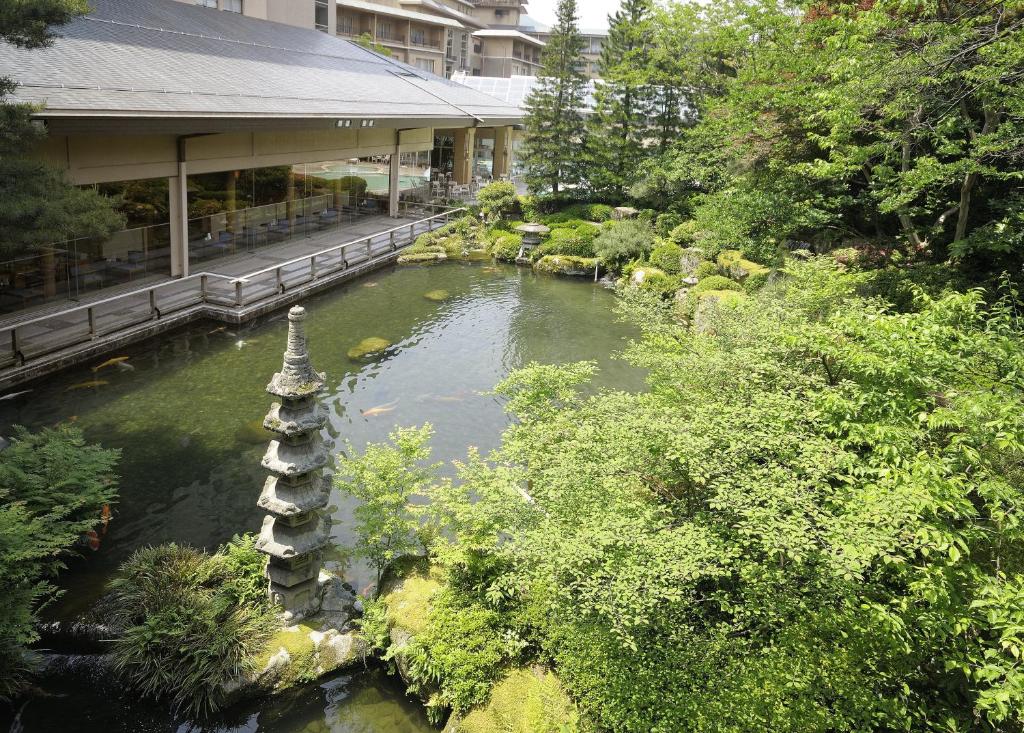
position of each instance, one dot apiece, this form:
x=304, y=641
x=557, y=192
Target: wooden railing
x=45, y=334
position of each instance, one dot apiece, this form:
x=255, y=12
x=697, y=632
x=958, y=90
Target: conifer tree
x=619, y=126
x=555, y=128
x=39, y=205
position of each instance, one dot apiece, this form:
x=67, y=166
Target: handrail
x=338, y=247
x=111, y=299
x=203, y=296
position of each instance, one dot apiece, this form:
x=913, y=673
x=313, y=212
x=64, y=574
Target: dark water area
x=186, y=409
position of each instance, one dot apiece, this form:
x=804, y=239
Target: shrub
x=667, y=223
x=624, y=241
x=717, y=282
x=498, y=201
x=53, y=488
x=668, y=257
x=505, y=246
x=705, y=269
x=757, y=280
x=566, y=265
x=453, y=240
x=186, y=633
x=600, y=212
x=353, y=185
x=660, y=283
x=684, y=234
x=568, y=244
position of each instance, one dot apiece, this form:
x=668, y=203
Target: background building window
x=233, y=6
x=425, y=64
x=207, y=3
x=320, y=16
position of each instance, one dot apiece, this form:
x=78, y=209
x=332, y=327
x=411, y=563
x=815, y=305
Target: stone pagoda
x=296, y=529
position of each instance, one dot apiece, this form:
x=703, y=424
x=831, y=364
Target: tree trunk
x=971, y=179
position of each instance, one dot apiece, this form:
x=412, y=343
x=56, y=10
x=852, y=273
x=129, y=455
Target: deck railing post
x=202, y=287
x=153, y=312
x=392, y=238
x=92, y=322
x=312, y=267
x=238, y=292
x=15, y=346
x=369, y=248
x=280, y=283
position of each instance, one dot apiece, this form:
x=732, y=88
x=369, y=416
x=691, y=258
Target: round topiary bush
x=717, y=282
x=668, y=257
x=498, y=201
x=705, y=269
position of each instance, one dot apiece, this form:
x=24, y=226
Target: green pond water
x=186, y=409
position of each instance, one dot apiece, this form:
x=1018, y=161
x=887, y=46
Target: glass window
x=320, y=15
x=207, y=3
x=425, y=64
x=233, y=6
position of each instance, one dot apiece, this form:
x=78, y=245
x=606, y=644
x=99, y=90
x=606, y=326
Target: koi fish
x=91, y=540
x=123, y=367
x=12, y=395
x=217, y=330
x=91, y=384
x=380, y=409
x=369, y=285
x=116, y=361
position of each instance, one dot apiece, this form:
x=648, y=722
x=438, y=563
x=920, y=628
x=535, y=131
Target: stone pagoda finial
x=295, y=531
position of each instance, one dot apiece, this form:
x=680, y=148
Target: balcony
x=393, y=38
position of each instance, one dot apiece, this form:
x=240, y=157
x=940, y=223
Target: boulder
x=527, y=700
x=368, y=349
x=690, y=260
x=566, y=265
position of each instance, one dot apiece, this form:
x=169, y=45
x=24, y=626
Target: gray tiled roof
x=165, y=58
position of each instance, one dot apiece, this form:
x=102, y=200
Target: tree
x=40, y=206
x=619, y=127
x=53, y=487
x=384, y=479
x=555, y=128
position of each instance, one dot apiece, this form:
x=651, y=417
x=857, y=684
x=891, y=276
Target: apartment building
x=593, y=43
x=444, y=37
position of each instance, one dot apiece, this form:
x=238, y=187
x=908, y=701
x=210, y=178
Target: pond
x=186, y=409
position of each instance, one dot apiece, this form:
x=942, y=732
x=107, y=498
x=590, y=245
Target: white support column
x=394, y=181
x=177, y=189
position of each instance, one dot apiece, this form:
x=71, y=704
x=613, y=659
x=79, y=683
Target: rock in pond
x=438, y=296
x=369, y=348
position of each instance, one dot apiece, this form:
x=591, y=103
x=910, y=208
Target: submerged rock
x=415, y=258
x=369, y=348
x=438, y=296
x=252, y=432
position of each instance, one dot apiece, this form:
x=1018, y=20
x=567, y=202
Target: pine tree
x=625, y=101
x=39, y=205
x=555, y=128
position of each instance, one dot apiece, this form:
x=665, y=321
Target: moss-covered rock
x=717, y=283
x=305, y=652
x=526, y=701
x=368, y=349
x=732, y=262
x=438, y=296
x=566, y=265
x=416, y=258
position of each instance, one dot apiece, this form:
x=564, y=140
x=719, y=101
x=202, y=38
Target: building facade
x=493, y=38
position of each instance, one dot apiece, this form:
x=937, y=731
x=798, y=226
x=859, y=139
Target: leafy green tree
x=623, y=242
x=385, y=479
x=40, y=206
x=555, y=129
x=53, y=487
x=815, y=506
x=619, y=127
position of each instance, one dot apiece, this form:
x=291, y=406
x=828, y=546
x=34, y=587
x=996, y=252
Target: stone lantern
x=532, y=235
x=295, y=530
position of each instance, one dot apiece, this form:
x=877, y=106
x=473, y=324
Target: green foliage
x=498, y=201
x=53, y=487
x=717, y=282
x=555, y=130
x=706, y=269
x=668, y=256
x=353, y=185
x=385, y=478
x=366, y=41
x=756, y=280
x=816, y=506
x=453, y=240
x=505, y=245
x=525, y=701
x=623, y=242
x=191, y=624
x=566, y=265
x=667, y=223
x=461, y=653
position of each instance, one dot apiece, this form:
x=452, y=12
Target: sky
x=593, y=13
